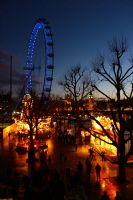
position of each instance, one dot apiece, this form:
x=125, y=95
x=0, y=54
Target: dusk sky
x=81, y=29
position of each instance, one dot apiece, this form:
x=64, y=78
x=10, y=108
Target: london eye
x=43, y=25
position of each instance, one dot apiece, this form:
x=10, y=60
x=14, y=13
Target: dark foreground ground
x=76, y=189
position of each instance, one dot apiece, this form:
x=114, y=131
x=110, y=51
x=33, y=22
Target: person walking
x=98, y=171
x=88, y=167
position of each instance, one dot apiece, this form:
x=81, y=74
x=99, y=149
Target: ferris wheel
x=43, y=25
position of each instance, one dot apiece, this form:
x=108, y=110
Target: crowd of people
x=54, y=184
x=46, y=182
x=66, y=138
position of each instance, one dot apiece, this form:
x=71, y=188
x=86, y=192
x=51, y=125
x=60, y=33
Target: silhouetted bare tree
x=77, y=85
x=34, y=112
x=119, y=78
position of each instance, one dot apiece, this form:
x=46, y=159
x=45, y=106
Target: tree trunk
x=122, y=170
x=31, y=153
x=121, y=158
x=37, y=135
x=121, y=141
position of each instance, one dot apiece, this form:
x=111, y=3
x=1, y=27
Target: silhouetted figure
x=98, y=170
x=118, y=197
x=105, y=196
x=88, y=168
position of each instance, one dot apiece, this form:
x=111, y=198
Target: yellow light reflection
x=106, y=122
x=103, y=185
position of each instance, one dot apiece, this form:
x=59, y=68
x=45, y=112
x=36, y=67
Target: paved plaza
x=86, y=190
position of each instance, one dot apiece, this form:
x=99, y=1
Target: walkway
x=84, y=191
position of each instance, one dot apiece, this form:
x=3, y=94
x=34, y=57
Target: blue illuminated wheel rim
x=43, y=25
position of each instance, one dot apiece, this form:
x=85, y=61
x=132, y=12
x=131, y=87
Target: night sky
x=81, y=29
